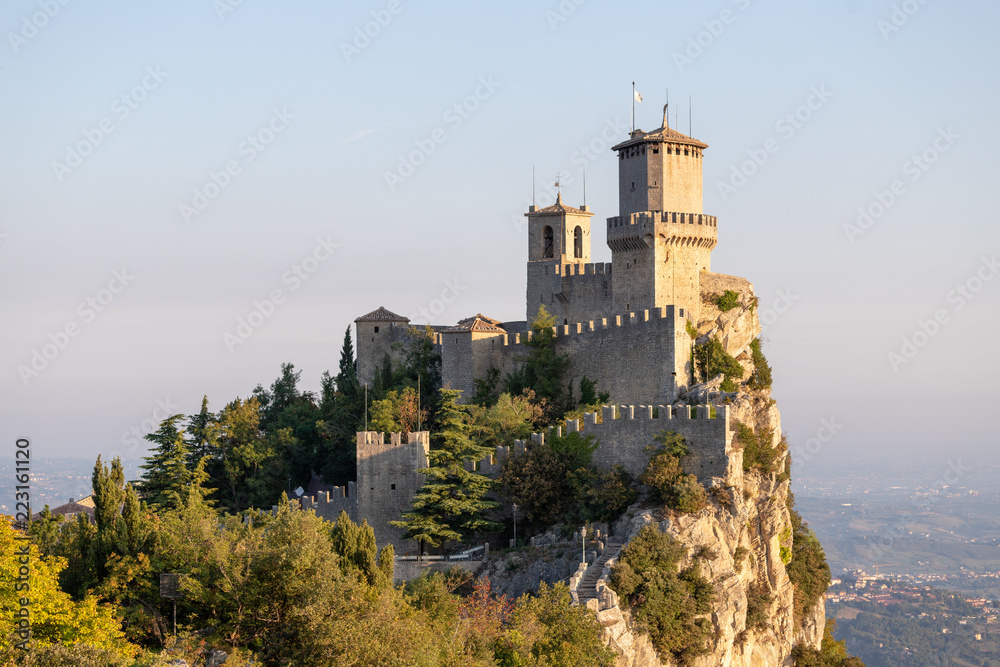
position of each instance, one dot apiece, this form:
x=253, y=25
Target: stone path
x=587, y=589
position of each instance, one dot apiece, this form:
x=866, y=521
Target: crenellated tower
x=558, y=246
x=660, y=240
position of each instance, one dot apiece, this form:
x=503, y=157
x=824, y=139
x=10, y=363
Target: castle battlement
x=372, y=443
x=328, y=504
x=597, y=268
x=650, y=316
x=637, y=231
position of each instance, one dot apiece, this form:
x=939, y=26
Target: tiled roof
x=661, y=134
x=382, y=315
x=478, y=323
x=558, y=207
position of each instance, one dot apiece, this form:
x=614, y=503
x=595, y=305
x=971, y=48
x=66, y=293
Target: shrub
x=712, y=359
x=727, y=300
x=664, y=474
x=759, y=598
x=669, y=605
x=757, y=450
x=807, y=569
x=761, y=376
x=739, y=556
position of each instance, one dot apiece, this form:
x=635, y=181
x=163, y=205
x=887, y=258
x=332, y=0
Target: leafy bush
x=711, y=360
x=664, y=474
x=739, y=556
x=832, y=653
x=759, y=598
x=807, y=569
x=727, y=300
x=757, y=450
x=669, y=605
x=760, y=378
x=692, y=330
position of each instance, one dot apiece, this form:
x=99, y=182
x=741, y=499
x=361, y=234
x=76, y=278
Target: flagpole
x=633, y=106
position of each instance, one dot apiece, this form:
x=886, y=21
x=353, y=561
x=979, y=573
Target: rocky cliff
x=746, y=528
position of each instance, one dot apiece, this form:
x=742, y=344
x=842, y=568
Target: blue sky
x=276, y=126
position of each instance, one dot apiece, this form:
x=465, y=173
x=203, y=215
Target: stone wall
x=631, y=356
x=387, y=481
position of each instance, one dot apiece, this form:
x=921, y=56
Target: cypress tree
x=452, y=504
x=166, y=474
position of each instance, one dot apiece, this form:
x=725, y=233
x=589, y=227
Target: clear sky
x=166, y=167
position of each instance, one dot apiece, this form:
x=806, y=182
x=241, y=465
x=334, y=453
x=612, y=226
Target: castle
x=625, y=325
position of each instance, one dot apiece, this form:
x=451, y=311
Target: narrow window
x=376, y=329
x=578, y=242
x=547, y=242
x=393, y=487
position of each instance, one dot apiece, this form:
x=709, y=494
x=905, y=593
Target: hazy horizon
x=221, y=145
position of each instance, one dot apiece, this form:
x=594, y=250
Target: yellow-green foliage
x=55, y=617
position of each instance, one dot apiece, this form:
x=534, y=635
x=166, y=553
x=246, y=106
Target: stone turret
x=660, y=240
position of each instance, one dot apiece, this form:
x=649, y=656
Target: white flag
x=638, y=97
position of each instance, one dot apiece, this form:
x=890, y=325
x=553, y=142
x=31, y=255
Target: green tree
x=45, y=530
x=547, y=630
x=342, y=410
x=452, y=504
x=761, y=376
x=199, y=433
x=248, y=470
x=544, y=369
x=55, y=617
x=165, y=471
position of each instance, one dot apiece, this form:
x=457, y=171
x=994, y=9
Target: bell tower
x=660, y=240
x=558, y=238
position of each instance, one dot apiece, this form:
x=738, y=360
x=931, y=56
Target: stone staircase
x=587, y=589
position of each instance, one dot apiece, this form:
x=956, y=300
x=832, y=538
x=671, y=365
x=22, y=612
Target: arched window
x=547, y=251
x=578, y=242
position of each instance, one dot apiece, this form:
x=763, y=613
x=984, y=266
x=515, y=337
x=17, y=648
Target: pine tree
x=544, y=369
x=166, y=474
x=199, y=435
x=451, y=505
x=342, y=414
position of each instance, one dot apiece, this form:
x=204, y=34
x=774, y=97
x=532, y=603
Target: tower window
x=376, y=329
x=547, y=249
x=633, y=186
x=393, y=487
x=685, y=151
x=578, y=242
x=656, y=150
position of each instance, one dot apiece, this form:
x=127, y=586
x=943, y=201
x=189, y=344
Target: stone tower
x=558, y=242
x=660, y=240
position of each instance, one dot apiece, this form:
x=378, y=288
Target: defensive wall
x=636, y=357
x=625, y=431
